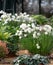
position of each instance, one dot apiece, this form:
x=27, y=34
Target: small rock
x=22, y=52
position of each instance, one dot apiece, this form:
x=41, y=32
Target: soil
x=8, y=60
x=11, y=56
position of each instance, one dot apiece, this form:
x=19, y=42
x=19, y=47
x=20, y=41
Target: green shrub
x=12, y=44
x=40, y=19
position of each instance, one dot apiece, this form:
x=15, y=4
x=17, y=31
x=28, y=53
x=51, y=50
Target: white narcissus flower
x=33, y=25
x=17, y=32
x=30, y=19
x=9, y=15
x=20, y=33
x=19, y=61
x=2, y=12
x=38, y=34
x=23, y=20
x=34, y=35
x=20, y=14
x=33, y=29
x=25, y=35
x=28, y=25
x=9, y=19
x=16, y=14
x=29, y=30
x=47, y=28
x=20, y=37
x=25, y=30
x=13, y=17
x=37, y=28
x=40, y=28
x=27, y=15
x=46, y=33
x=18, y=17
x=23, y=26
x=37, y=45
x=24, y=13
x=4, y=16
x=6, y=21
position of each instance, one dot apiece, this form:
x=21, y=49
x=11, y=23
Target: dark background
x=44, y=7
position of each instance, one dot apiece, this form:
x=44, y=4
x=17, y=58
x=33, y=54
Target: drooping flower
x=29, y=30
x=38, y=46
x=25, y=35
x=46, y=33
x=20, y=33
x=20, y=37
x=33, y=25
x=34, y=34
x=38, y=34
x=4, y=16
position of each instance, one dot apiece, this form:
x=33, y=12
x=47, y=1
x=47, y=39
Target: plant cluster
x=31, y=60
x=9, y=24
x=31, y=32
x=35, y=37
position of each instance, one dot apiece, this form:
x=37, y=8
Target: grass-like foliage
x=40, y=19
x=44, y=41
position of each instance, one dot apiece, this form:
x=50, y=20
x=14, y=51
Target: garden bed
x=23, y=31
x=7, y=61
